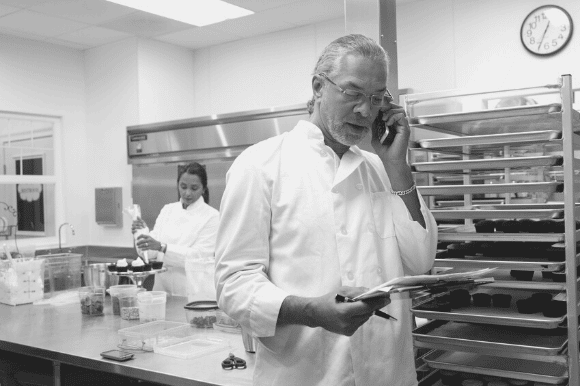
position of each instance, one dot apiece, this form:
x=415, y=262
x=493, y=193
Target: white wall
x=448, y=44
x=260, y=72
x=112, y=96
x=166, y=82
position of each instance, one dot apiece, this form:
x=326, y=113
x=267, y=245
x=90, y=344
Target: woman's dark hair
x=198, y=170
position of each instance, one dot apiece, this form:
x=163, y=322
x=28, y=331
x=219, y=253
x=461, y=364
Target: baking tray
x=513, y=368
x=478, y=338
x=545, y=187
x=488, y=142
x=487, y=164
x=461, y=203
x=492, y=315
x=497, y=121
x=475, y=213
x=480, y=262
x=498, y=236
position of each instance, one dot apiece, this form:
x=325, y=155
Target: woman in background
x=184, y=235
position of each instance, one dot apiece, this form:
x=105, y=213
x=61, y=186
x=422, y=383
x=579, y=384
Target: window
x=28, y=177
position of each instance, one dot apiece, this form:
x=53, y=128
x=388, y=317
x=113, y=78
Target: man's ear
x=317, y=86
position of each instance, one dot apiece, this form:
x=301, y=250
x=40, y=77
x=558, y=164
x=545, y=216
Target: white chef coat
x=297, y=220
x=190, y=235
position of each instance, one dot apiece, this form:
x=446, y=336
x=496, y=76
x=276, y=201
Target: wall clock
x=546, y=30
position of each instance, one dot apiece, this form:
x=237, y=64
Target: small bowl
x=201, y=314
x=156, y=264
x=522, y=275
x=555, y=309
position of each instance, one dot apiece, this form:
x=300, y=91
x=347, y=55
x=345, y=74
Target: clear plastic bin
x=129, y=307
x=61, y=272
x=193, y=347
x=201, y=314
x=21, y=281
x=92, y=300
x=151, y=305
x=159, y=333
x=118, y=291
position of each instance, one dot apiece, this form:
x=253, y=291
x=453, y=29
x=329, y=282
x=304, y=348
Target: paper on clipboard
x=409, y=283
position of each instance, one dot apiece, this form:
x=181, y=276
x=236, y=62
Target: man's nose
x=364, y=106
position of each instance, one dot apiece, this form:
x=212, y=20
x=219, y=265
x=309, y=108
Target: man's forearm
x=401, y=178
x=295, y=310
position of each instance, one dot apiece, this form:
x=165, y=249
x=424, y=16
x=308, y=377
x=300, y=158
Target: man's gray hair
x=350, y=44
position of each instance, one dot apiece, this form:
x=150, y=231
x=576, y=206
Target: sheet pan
x=497, y=366
x=491, y=315
x=488, y=164
x=453, y=190
x=472, y=337
x=497, y=121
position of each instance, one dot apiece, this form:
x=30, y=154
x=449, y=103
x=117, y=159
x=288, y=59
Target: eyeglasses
x=376, y=99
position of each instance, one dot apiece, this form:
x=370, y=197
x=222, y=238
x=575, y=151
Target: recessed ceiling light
x=195, y=12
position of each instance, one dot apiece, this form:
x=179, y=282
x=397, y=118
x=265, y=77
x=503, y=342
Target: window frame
x=55, y=179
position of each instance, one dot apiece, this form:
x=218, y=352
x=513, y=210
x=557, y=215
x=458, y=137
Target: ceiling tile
x=145, y=24
x=69, y=44
x=38, y=24
x=6, y=9
x=86, y=11
x=197, y=37
x=260, y=5
x=307, y=12
x=93, y=36
x=23, y=3
x=252, y=25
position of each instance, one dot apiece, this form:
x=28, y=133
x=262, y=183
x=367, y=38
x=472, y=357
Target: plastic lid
x=202, y=305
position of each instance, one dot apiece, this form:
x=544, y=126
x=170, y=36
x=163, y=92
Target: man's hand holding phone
x=391, y=134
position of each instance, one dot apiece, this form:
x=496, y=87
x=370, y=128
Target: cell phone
x=117, y=355
x=386, y=135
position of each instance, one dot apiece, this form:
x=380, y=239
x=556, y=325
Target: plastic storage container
x=21, y=281
x=92, y=300
x=61, y=272
x=151, y=305
x=147, y=336
x=118, y=291
x=201, y=314
x=129, y=307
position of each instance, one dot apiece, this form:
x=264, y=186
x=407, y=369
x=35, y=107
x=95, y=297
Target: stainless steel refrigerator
x=156, y=150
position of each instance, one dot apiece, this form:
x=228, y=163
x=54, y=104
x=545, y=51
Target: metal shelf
x=544, y=139
x=497, y=121
x=487, y=164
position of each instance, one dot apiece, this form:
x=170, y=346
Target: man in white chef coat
x=307, y=214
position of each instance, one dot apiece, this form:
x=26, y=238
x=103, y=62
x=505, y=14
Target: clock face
x=546, y=30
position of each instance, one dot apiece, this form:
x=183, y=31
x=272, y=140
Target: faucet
x=59, y=237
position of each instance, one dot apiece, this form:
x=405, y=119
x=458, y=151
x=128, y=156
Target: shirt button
x=379, y=270
x=359, y=186
x=371, y=227
x=350, y=275
x=343, y=230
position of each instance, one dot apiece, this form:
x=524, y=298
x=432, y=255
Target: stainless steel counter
x=63, y=335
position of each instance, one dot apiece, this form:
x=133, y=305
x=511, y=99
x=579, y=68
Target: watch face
x=546, y=30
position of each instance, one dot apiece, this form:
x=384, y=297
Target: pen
x=344, y=299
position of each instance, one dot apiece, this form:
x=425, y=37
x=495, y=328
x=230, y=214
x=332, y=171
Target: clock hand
x=546, y=30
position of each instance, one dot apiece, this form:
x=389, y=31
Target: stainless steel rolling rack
x=511, y=167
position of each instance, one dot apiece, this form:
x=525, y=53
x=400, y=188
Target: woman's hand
x=145, y=242
x=395, y=152
x=138, y=224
